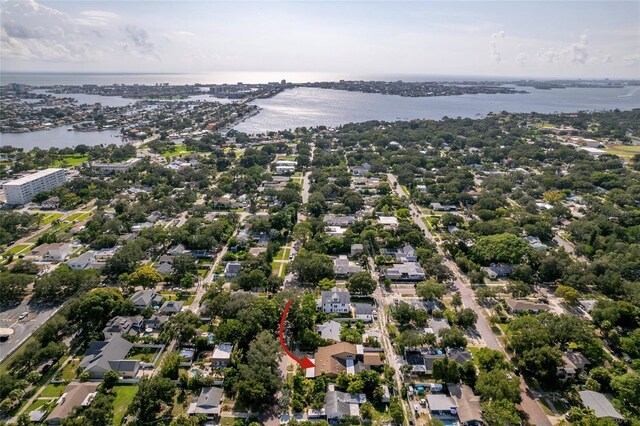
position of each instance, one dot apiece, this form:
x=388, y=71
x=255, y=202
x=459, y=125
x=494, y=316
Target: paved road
x=38, y=315
x=528, y=404
x=392, y=358
x=202, y=286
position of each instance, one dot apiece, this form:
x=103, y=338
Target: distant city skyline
x=576, y=39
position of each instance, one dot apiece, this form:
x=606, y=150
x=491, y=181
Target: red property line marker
x=305, y=362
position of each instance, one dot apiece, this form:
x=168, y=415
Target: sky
x=544, y=39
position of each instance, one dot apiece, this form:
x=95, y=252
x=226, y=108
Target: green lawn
x=53, y=390
x=283, y=254
x=69, y=370
x=50, y=217
x=80, y=216
x=623, y=150
x=405, y=190
x=124, y=397
x=39, y=403
x=288, y=158
x=71, y=160
x=17, y=249
x=275, y=268
x=177, y=151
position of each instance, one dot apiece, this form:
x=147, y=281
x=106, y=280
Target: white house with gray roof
x=335, y=301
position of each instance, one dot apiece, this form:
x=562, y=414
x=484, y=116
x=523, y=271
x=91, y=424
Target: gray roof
x=599, y=404
x=438, y=324
x=208, y=401
x=171, y=307
x=363, y=308
x=335, y=296
x=340, y=404
x=459, y=355
x=99, y=355
x=440, y=403
x=144, y=297
x=330, y=330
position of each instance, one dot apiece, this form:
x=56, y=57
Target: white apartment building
x=22, y=190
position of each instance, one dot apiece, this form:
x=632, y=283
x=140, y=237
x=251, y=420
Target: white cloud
x=96, y=17
x=575, y=53
x=522, y=58
x=137, y=40
x=495, y=54
x=632, y=60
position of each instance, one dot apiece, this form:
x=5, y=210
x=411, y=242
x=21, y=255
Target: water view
x=312, y=107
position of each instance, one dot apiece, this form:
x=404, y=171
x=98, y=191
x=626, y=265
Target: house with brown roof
x=74, y=395
x=574, y=363
x=344, y=358
x=467, y=404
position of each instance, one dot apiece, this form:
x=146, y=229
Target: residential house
x=232, y=269
x=81, y=262
x=222, y=355
x=338, y=405
x=102, y=356
x=600, y=405
x=363, y=311
x=118, y=326
x=404, y=254
x=361, y=170
x=497, y=270
x=208, y=403
x=335, y=301
x=535, y=243
x=171, y=307
x=441, y=405
x=187, y=356
x=57, y=252
x=334, y=220
x=459, y=355
x=344, y=268
x=50, y=203
x=154, y=323
x=330, y=330
x=388, y=222
x=356, y=249
x=37, y=416
x=574, y=363
x=467, y=405
x=76, y=394
x=443, y=207
x=407, y=271
x=335, y=231
x=145, y=298
x=344, y=358
x=177, y=250
x=437, y=324
x=524, y=306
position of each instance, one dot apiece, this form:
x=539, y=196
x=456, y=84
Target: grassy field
x=283, y=254
x=49, y=217
x=53, y=390
x=15, y=250
x=177, y=151
x=71, y=160
x=39, y=403
x=627, y=151
x=275, y=268
x=69, y=370
x=80, y=216
x=124, y=397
